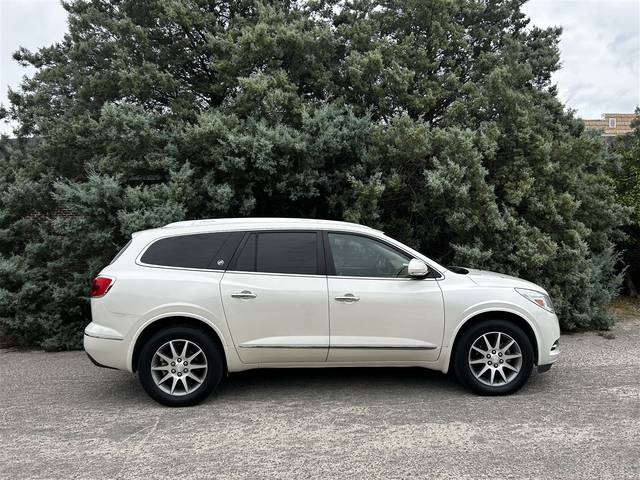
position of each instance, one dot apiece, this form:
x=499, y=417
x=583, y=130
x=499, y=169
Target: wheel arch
x=172, y=321
x=517, y=319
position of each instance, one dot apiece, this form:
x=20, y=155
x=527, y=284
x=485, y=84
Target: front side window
x=188, y=251
x=357, y=256
x=280, y=252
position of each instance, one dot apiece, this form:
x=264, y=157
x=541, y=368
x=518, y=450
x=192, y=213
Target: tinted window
x=247, y=259
x=280, y=252
x=356, y=256
x=188, y=251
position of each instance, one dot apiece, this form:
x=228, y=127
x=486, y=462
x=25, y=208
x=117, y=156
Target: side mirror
x=417, y=268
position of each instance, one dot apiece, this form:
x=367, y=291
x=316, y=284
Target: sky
x=599, y=52
x=600, y=48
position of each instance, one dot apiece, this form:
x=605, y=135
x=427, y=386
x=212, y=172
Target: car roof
x=256, y=223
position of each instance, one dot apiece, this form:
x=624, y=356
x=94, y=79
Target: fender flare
x=147, y=323
x=446, y=360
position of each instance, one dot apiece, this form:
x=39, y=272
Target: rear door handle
x=244, y=294
x=347, y=298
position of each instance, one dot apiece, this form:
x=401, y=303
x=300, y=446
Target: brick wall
x=611, y=124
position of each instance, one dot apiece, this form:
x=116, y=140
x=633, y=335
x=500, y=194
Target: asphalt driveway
x=61, y=417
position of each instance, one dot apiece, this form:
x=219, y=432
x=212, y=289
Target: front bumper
x=544, y=368
x=548, y=337
x=551, y=357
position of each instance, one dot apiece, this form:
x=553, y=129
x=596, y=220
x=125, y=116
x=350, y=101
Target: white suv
x=185, y=304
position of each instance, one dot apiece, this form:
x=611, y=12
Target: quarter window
x=358, y=256
x=188, y=251
x=280, y=252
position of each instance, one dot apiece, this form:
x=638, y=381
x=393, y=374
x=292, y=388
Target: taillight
x=100, y=286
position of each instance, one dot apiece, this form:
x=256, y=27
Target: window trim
x=320, y=253
x=324, y=257
x=331, y=269
x=228, y=244
x=121, y=251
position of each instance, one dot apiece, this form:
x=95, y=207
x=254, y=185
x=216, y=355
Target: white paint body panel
x=288, y=310
x=294, y=320
x=390, y=314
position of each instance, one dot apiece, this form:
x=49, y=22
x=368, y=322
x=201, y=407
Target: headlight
x=541, y=299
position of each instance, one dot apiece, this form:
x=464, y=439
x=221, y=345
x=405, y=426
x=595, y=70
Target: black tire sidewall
x=463, y=370
x=211, y=351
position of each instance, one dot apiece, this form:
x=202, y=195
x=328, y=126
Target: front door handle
x=244, y=294
x=347, y=298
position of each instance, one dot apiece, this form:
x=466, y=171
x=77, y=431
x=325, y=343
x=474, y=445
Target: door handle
x=244, y=294
x=347, y=298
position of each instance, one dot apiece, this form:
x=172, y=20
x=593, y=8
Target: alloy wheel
x=179, y=367
x=495, y=359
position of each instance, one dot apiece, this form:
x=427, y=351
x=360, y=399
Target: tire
x=474, y=369
x=157, y=353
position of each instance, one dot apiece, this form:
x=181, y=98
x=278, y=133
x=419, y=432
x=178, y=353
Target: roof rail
x=249, y=220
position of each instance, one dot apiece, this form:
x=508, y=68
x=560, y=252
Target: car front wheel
x=180, y=366
x=494, y=357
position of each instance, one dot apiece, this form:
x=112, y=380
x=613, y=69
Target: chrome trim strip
x=283, y=346
x=306, y=275
x=167, y=267
x=405, y=279
x=383, y=347
x=350, y=347
x=103, y=338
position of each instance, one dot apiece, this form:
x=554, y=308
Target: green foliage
x=628, y=147
x=628, y=186
x=434, y=120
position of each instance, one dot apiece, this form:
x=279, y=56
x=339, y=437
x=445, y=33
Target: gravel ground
x=61, y=417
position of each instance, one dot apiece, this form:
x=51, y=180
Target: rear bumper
x=98, y=364
x=105, y=352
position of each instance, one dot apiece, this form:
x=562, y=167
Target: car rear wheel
x=494, y=357
x=180, y=366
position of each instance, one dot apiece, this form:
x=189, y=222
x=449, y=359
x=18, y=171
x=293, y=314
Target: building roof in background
x=612, y=124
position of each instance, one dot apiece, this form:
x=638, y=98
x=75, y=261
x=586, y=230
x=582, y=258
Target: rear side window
x=280, y=252
x=205, y=250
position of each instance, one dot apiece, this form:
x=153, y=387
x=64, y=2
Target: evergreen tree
x=434, y=120
x=628, y=183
